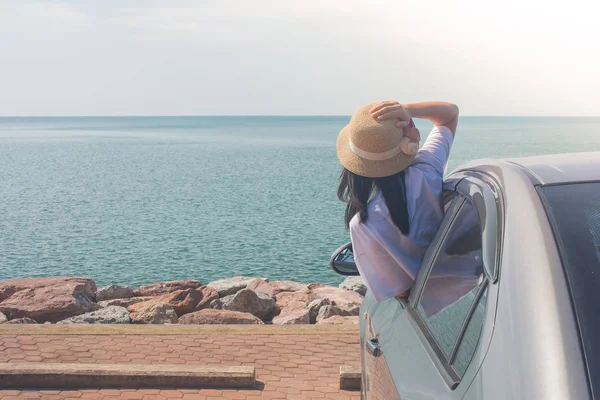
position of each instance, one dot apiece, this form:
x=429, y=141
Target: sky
x=297, y=57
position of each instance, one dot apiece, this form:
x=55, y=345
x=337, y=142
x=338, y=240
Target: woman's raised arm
x=440, y=113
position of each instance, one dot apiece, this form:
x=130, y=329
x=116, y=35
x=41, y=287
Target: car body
x=525, y=326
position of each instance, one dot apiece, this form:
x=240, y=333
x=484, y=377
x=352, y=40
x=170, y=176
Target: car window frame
x=466, y=183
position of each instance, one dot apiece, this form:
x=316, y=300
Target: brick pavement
x=289, y=365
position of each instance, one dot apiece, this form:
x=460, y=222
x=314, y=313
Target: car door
x=431, y=345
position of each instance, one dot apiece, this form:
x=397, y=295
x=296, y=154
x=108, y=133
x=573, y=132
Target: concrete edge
x=72, y=376
x=131, y=329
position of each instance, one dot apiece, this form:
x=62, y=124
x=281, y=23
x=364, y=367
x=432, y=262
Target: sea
x=137, y=200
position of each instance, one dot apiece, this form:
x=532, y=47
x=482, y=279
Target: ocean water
x=136, y=200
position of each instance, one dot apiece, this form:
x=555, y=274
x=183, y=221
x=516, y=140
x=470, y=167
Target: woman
x=392, y=189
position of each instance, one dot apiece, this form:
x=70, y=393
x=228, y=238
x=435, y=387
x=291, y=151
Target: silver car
x=525, y=324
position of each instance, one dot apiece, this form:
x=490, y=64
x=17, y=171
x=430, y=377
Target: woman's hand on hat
x=413, y=134
x=389, y=110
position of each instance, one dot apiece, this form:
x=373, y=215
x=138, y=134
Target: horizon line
x=272, y=115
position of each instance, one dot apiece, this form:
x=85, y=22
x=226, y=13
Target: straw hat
x=374, y=148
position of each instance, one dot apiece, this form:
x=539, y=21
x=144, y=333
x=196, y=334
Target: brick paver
x=293, y=367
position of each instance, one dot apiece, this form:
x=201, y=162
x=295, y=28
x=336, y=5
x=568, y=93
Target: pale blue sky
x=223, y=57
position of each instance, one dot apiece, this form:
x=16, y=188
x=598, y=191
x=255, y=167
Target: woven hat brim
x=368, y=168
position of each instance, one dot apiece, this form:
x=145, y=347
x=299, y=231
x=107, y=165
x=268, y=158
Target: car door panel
x=404, y=369
x=413, y=371
x=377, y=382
x=414, y=374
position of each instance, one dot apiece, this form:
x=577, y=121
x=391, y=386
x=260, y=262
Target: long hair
x=355, y=191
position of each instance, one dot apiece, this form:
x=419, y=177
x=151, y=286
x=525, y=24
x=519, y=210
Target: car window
x=574, y=211
x=454, y=282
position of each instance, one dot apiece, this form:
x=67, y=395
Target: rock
x=47, y=299
x=258, y=304
x=153, y=313
x=330, y=311
x=355, y=284
x=8, y=288
x=284, y=298
x=114, y=292
x=23, y=320
x=183, y=301
x=108, y=315
x=344, y=299
x=293, y=314
x=273, y=288
x=314, y=307
x=157, y=289
x=191, y=300
x=226, y=287
x=3, y=318
x=339, y=320
x=124, y=302
x=209, y=316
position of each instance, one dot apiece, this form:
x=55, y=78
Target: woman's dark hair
x=355, y=191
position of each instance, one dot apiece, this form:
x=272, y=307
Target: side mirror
x=342, y=261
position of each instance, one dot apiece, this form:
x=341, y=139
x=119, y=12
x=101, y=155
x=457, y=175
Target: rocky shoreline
x=237, y=300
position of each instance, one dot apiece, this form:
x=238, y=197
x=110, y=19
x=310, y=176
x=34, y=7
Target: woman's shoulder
x=433, y=156
x=422, y=174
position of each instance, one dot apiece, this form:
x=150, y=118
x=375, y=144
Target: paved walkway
x=292, y=363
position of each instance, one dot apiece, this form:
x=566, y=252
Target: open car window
x=453, y=286
x=448, y=304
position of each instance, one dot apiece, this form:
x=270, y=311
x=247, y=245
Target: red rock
x=153, y=313
x=183, y=301
x=8, y=288
x=284, y=298
x=157, y=289
x=273, y=288
x=210, y=316
x=294, y=313
x=47, y=299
